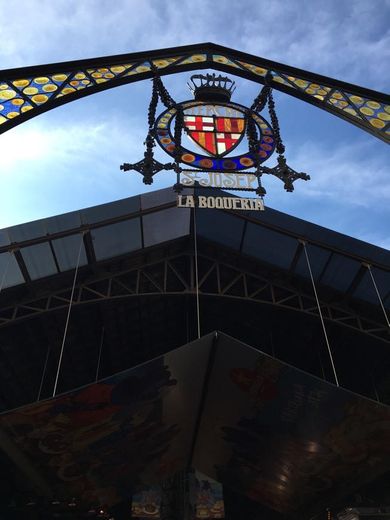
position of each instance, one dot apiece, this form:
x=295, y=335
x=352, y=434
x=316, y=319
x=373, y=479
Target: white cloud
x=348, y=40
x=72, y=160
x=352, y=173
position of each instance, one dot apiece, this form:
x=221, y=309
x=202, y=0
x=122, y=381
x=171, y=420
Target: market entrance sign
x=212, y=202
x=225, y=148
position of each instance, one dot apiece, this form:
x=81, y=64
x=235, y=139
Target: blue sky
x=69, y=158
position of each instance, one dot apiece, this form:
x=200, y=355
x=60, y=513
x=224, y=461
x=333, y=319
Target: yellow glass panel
x=367, y=111
x=384, y=116
x=60, y=77
x=7, y=94
x=21, y=82
x=118, y=69
x=351, y=111
x=357, y=100
x=377, y=123
x=194, y=59
x=373, y=104
x=161, y=64
x=303, y=83
x=49, y=88
x=30, y=91
x=143, y=68
x=68, y=90
x=41, y=81
x=40, y=98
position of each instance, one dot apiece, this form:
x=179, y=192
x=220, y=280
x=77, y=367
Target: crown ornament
x=210, y=87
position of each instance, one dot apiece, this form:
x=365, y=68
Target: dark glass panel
x=39, y=260
x=269, y=246
x=110, y=210
x=117, y=239
x=165, y=225
x=220, y=227
x=67, y=250
x=10, y=273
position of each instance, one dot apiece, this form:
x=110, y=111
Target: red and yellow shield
x=216, y=135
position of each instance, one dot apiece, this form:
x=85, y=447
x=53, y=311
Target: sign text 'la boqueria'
x=200, y=201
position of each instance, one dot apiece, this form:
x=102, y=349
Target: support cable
x=5, y=272
x=196, y=274
x=68, y=316
x=378, y=294
x=320, y=313
x=100, y=355
x=44, y=372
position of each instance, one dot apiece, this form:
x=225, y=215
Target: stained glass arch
x=30, y=91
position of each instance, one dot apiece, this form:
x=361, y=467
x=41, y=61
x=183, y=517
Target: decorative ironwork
x=217, y=126
x=30, y=91
x=211, y=87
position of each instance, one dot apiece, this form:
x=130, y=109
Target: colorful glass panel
x=259, y=71
x=19, y=95
x=216, y=161
x=162, y=64
x=216, y=135
x=195, y=58
x=218, y=58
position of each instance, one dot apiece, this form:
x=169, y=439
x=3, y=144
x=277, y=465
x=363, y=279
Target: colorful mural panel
x=103, y=441
x=285, y=438
x=206, y=497
x=147, y=503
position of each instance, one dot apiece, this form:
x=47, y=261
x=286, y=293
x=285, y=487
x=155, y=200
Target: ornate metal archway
x=30, y=91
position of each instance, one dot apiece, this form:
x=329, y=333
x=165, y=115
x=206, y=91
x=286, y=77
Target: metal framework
x=221, y=279
x=30, y=91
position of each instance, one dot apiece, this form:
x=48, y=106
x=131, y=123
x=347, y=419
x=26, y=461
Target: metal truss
x=30, y=91
x=175, y=275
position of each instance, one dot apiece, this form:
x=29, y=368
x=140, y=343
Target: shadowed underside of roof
x=135, y=289
x=30, y=91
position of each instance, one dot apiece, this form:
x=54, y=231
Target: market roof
x=30, y=91
x=44, y=248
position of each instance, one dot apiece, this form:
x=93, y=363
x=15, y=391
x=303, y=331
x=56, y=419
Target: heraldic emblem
x=225, y=143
